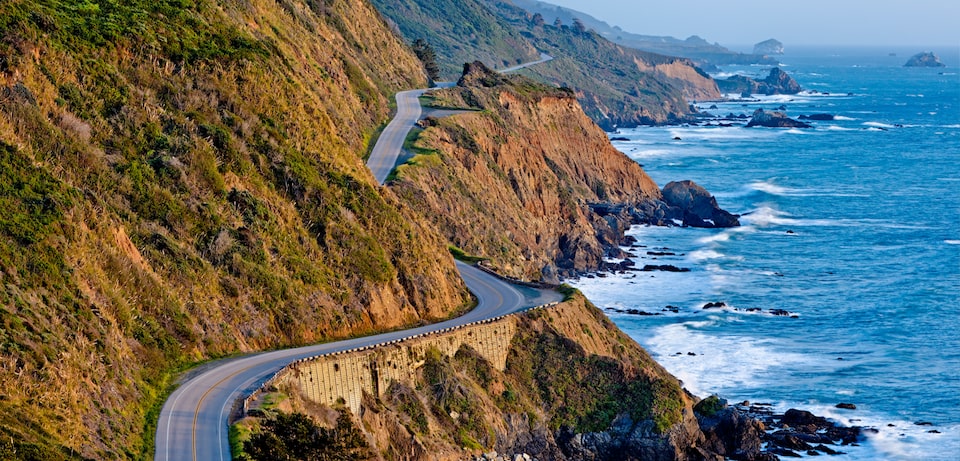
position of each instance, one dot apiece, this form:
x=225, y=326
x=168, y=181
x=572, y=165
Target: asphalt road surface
x=388, y=146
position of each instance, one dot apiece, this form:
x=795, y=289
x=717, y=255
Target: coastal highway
x=390, y=143
x=193, y=421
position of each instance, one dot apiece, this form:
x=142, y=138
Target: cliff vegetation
x=182, y=180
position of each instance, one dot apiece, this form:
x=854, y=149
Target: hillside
x=702, y=52
x=183, y=180
x=459, y=32
x=617, y=86
x=512, y=181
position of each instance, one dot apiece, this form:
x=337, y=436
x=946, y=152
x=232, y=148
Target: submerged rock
x=775, y=119
x=820, y=117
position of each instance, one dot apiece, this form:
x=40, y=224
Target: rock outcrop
x=774, y=119
x=698, y=207
x=776, y=82
x=768, y=47
x=927, y=59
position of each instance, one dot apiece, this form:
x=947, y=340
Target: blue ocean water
x=853, y=227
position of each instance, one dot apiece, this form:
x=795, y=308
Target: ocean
x=852, y=228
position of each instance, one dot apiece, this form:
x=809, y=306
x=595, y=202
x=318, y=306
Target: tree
x=428, y=57
x=578, y=26
x=538, y=20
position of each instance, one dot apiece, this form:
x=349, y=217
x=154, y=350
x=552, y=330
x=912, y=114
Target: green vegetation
x=456, y=401
x=710, y=406
x=585, y=392
x=428, y=57
x=461, y=255
x=406, y=402
x=459, y=32
x=617, y=85
x=296, y=436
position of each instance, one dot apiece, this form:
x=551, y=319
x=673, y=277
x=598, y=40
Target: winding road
x=193, y=423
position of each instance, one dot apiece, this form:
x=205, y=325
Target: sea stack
x=927, y=59
x=768, y=47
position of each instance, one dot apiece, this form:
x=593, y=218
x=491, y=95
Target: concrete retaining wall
x=343, y=377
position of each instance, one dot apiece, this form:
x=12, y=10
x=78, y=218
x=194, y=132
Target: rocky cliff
x=512, y=181
x=182, y=181
x=526, y=179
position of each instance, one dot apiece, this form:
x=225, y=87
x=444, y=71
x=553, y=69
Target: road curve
x=193, y=423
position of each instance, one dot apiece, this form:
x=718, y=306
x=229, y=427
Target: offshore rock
x=775, y=119
x=768, y=47
x=699, y=208
x=924, y=60
x=777, y=82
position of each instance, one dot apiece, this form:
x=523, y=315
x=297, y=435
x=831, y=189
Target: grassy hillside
x=617, y=86
x=693, y=47
x=182, y=179
x=460, y=32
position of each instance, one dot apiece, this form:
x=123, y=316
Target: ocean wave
x=952, y=242
x=842, y=118
x=838, y=128
x=879, y=125
x=703, y=255
x=952, y=126
x=781, y=191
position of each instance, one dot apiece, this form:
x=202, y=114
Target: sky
x=807, y=22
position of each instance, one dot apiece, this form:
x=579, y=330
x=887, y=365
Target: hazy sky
x=804, y=22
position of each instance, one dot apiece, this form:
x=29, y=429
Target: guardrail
x=242, y=409
x=484, y=266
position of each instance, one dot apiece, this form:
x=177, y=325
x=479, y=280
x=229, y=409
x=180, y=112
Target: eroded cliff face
x=683, y=75
x=181, y=181
x=513, y=181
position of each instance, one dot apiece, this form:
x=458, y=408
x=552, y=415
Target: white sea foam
x=838, y=128
x=878, y=125
x=952, y=242
x=773, y=189
x=842, y=118
x=721, y=362
x=703, y=255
